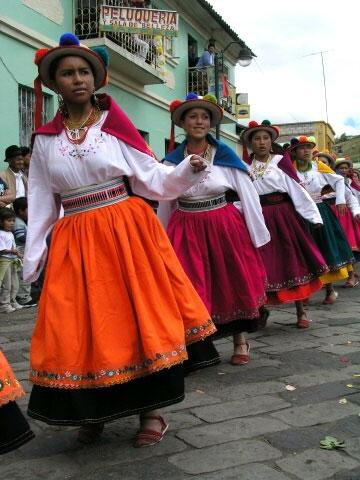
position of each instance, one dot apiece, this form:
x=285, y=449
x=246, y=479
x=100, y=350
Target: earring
x=62, y=106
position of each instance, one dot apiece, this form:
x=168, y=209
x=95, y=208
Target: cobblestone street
x=243, y=423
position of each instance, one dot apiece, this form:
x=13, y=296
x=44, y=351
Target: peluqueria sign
x=138, y=20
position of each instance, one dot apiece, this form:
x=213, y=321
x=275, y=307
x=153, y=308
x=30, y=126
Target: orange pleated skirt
x=116, y=304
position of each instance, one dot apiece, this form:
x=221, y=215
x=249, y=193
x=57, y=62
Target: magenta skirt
x=350, y=226
x=216, y=252
x=291, y=258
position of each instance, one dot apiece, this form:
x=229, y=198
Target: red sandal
x=147, y=436
x=241, y=358
x=303, y=323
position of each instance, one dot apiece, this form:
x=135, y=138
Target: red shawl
x=117, y=123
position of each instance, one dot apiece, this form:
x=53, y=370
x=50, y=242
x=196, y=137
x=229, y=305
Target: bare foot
x=351, y=282
x=241, y=349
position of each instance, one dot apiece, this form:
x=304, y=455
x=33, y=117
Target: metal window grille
x=202, y=81
x=27, y=111
x=87, y=26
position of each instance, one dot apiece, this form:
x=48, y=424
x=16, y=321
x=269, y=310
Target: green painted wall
x=17, y=67
x=19, y=12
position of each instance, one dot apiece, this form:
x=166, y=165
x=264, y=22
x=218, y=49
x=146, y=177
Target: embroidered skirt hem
x=10, y=387
x=60, y=406
x=298, y=293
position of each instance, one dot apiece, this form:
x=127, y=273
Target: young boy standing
x=10, y=259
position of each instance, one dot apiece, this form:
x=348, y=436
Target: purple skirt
x=291, y=258
x=216, y=252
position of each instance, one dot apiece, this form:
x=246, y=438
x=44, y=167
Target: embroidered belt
x=202, y=205
x=274, y=198
x=93, y=196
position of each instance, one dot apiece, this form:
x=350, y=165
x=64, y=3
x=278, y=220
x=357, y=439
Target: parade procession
x=179, y=259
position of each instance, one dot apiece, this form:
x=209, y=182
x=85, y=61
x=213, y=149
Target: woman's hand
x=341, y=208
x=197, y=163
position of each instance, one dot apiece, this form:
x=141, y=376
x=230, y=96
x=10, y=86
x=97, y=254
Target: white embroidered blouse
x=314, y=181
x=276, y=180
x=218, y=181
x=58, y=165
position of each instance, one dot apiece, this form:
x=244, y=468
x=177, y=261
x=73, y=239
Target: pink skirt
x=216, y=252
x=350, y=226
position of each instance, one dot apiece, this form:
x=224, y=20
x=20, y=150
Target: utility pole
x=321, y=53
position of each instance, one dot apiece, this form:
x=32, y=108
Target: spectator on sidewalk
x=9, y=262
x=20, y=207
x=26, y=154
x=13, y=175
x=6, y=195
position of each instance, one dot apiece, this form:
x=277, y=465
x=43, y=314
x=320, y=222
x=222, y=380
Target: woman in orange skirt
x=14, y=429
x=116, y=310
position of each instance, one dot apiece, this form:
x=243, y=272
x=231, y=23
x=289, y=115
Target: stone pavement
x=236, y=422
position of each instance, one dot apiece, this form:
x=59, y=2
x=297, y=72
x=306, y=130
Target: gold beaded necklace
x=76, y=131
x=258, y=168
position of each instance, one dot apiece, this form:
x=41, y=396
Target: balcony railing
x=202, y=81
x=87, y=27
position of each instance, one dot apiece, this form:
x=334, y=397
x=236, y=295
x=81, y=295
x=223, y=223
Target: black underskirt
x=14, y=429
x=75, y=407
x=235, y=327
x=204, y=354
x=201, y=355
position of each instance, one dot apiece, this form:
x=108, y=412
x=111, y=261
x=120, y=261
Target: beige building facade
x=322, y=131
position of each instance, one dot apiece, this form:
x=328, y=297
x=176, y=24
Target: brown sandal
x=147, y=436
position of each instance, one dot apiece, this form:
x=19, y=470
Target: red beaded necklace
x=197, y=151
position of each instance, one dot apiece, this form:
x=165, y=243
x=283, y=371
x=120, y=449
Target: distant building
x=322, y=131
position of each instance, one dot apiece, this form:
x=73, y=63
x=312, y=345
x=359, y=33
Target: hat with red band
x=193, y=100
x=69, y=45
x=255, y=127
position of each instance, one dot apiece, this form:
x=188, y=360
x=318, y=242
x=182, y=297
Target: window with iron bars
x=27, y=112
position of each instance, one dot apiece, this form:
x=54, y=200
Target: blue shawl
x=224, y=156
